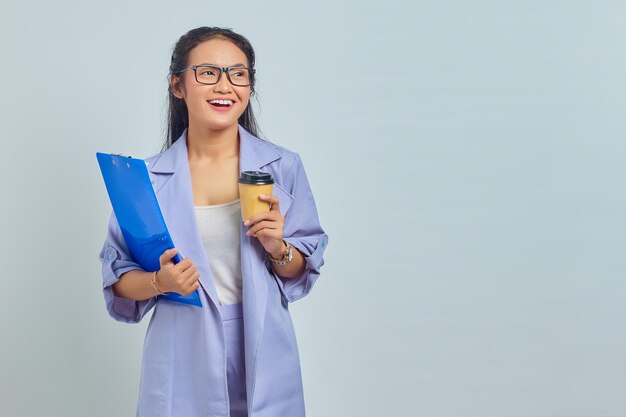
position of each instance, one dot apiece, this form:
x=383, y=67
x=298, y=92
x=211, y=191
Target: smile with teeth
x=226, y=103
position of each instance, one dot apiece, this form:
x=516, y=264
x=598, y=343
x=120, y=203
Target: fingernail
x=247, y=222
x=263, y=196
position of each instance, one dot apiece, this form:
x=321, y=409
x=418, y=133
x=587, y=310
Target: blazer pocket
x=285, y=199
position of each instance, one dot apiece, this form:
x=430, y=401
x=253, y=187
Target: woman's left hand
x=268, y=227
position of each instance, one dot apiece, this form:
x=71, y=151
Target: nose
x=223, y=85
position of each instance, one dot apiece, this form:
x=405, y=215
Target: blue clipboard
x=139, y=215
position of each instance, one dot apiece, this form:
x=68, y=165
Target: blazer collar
x=254, y=154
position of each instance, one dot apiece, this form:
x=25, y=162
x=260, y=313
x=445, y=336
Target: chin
x=221, y=126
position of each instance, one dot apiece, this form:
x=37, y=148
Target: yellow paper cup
x=251, y=185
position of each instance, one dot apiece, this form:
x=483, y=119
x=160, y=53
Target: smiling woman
x=236, y=355
x=210, y=60
x=208, y=53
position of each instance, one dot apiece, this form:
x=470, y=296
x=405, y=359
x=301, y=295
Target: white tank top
x=219, y=230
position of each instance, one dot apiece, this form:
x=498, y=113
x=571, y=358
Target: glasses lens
x=239, y=76
x=207, y=75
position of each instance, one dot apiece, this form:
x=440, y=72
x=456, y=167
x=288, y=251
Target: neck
x=211, y=144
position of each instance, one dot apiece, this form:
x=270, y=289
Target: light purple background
x=467, y=160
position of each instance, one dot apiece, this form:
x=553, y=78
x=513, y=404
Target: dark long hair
x=178, y=117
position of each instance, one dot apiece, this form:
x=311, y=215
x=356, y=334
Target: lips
x=224, y=101
x=221, y=104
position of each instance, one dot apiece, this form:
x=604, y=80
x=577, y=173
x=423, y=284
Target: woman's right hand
x=181, y=278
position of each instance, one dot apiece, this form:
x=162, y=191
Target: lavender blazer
x=183, y=371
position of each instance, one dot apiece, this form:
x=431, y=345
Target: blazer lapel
x=175, y=195
x=254, y=155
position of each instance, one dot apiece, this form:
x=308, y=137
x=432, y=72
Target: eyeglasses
x=211, y=74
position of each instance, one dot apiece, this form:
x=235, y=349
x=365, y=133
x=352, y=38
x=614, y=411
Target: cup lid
x=256, y=177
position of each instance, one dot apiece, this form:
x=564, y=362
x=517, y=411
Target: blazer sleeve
x=302, y=229
x=116, y=260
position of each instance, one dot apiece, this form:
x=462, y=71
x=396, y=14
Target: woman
x=237, y=354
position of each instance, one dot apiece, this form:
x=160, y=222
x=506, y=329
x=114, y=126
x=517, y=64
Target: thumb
x=167, y=256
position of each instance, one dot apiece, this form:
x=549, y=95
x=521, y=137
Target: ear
x=176, y=86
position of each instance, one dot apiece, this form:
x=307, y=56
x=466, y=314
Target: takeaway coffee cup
x=251, y=185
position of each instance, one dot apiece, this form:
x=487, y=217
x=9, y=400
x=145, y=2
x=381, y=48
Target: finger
x=268, y=233
x=192, y=284
x=183, y=265
x=167, y=255
x=188, y=273
x=192, y=288
x=266, y=215
x=256, y=217
x=265, y=224
x=192, y=279
x=272, y=199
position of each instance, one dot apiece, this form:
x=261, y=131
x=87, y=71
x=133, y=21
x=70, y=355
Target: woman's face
x=202, y=114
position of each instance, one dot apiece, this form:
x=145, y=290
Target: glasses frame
x=223, y=70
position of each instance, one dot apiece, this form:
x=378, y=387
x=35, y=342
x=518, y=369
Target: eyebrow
x=215, y=65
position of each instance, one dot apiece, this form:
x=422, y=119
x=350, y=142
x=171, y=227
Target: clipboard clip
x=114, y=161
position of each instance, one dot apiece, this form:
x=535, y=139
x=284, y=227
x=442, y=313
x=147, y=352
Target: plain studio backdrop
x=467, y=160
